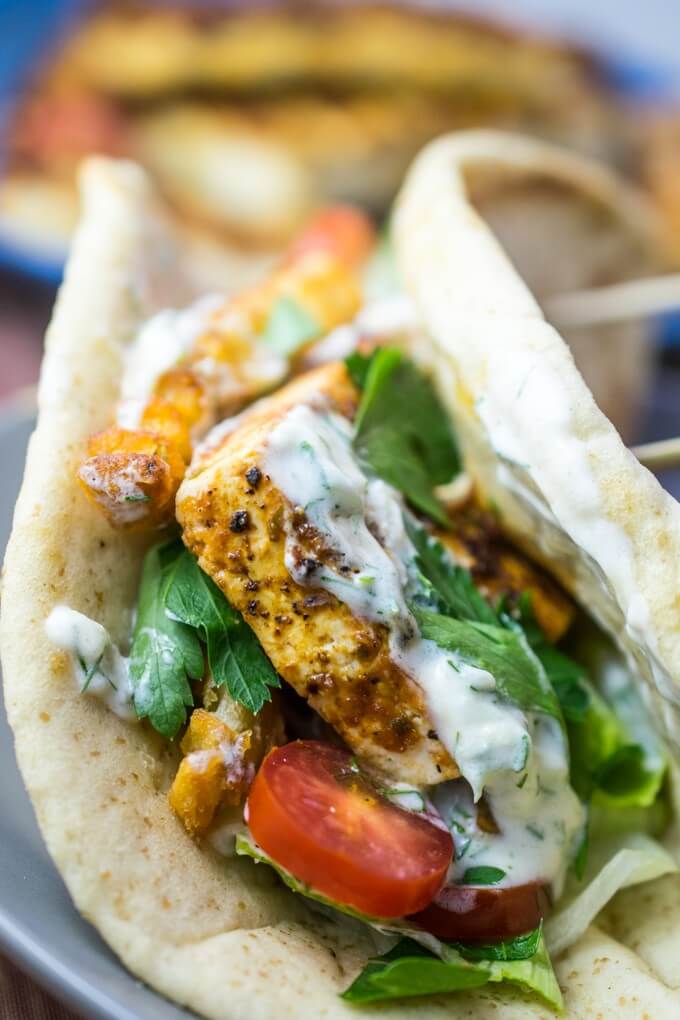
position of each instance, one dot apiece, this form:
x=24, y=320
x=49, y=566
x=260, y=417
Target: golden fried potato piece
x=163, y=419
x=475, y=542
x=197, y=790
x=216, y=770
x=223, y=748
x=233, y=519
x=321, y=284
x=132, y=477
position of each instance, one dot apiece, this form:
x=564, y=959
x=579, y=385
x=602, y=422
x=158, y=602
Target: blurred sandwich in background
x=251, y=118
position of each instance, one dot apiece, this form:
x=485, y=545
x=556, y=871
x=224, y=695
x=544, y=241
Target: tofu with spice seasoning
x=236, y=521
x=233, y=520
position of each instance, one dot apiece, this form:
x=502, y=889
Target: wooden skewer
x=619, y=302
x=656, y=456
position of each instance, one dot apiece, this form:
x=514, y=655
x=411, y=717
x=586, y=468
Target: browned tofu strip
x=233, y=520
x=475, y=542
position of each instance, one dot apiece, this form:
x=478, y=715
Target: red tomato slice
x=341, y=230
x=321, y=820
x=467, y=913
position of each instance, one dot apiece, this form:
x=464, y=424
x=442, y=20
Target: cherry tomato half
x=479, y=913
x=319, y=818
x=341, y=230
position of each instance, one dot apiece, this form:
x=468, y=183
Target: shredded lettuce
x=630, y=860
x=246, y=846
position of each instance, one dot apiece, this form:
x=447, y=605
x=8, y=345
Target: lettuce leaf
x=638, y=779
x=630, y=860
x=408, y=970
x=246, y=846
x=616, y=756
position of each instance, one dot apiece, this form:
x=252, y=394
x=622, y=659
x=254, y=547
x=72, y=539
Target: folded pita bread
x=222, y=936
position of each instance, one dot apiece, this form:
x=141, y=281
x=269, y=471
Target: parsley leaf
x=164, y=652
x=402, y=431
x=505, y=653
x=357, y=365
x=454, y=590
x=235, y=655
x=178, y=606
x=410, y=970
x=289, y=327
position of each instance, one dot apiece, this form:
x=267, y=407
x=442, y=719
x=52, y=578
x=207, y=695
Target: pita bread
x=221, y=936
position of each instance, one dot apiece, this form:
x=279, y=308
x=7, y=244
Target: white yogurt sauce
x=160, y=343
x=519, y=760
x=99, y=668
x=129, y=503
x=336, y=346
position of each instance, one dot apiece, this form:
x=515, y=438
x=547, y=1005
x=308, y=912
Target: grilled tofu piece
x=233, y=520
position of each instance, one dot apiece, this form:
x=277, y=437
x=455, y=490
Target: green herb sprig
x=180, y=607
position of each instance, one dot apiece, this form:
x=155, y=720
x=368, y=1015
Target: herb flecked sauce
x=518, y=759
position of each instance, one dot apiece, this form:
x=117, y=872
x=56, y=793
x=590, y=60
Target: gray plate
x=39, y=927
